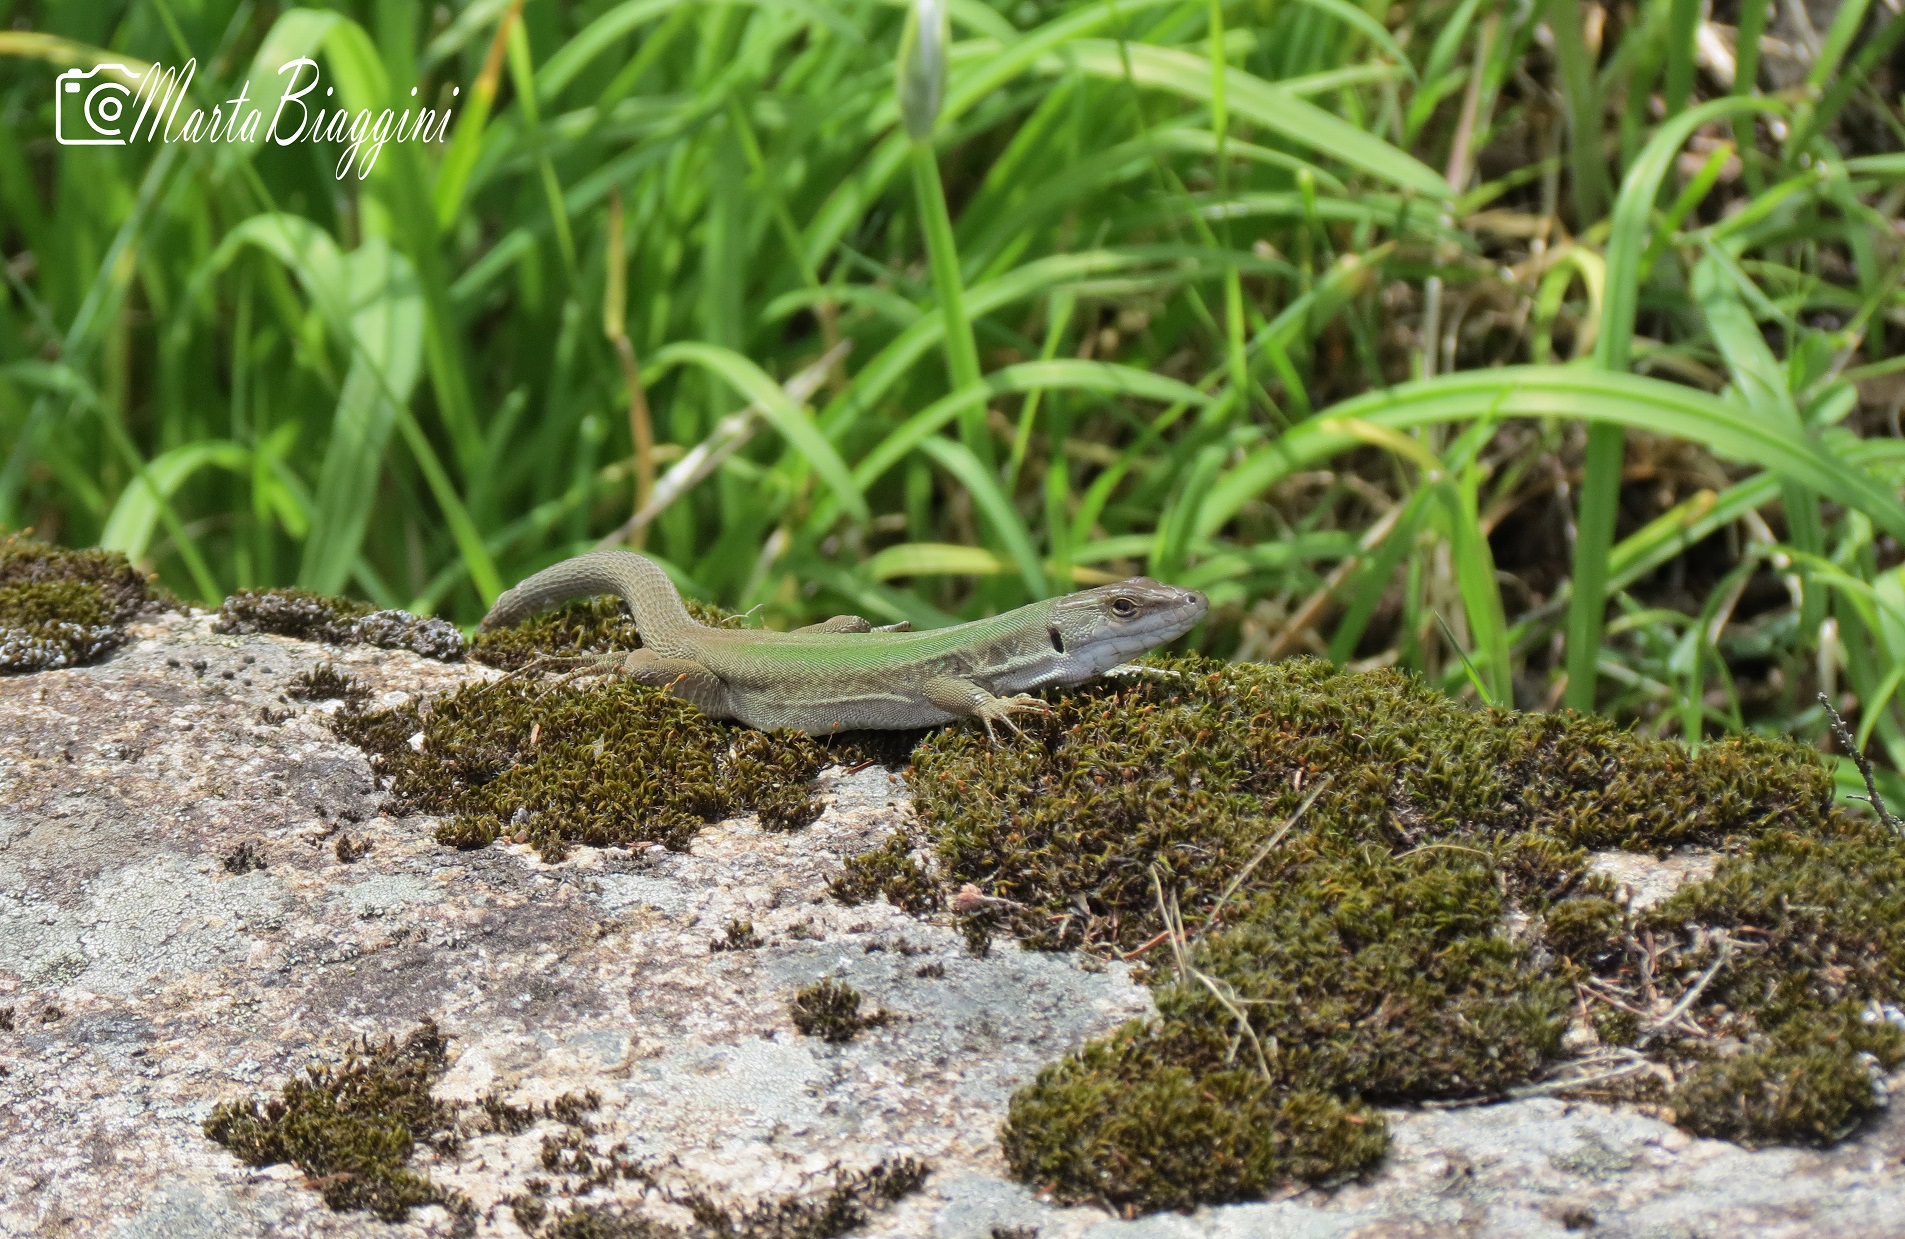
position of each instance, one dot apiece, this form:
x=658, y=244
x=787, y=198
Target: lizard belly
x=861, y=711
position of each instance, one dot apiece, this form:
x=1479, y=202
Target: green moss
x=1192, y=775
x=1154, y=1117
x=771, y=773
x=888, y=870
x=1586, y=930
x=1804, y=937
x=1766, y=1096
x=326, y=683
x=830, y=1010
x=844, y=1206
x=337, y=621
x=739, y=935
x=604, y=764
x=61, y=608
x=607, y=763
x=1380, y=977
x=1408, y=915
x=352, y=1128
x=613, y=764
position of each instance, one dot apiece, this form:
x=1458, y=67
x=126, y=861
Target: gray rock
x=149, y=981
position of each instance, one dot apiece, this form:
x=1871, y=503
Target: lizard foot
x=1001, y=710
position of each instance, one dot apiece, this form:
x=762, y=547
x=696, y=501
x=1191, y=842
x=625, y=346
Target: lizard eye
x=1123, y=608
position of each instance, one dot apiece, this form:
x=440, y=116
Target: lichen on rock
x=337, y=621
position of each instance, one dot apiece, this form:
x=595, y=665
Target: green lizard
x=845, y=674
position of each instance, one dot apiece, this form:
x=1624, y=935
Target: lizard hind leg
x=580, y=664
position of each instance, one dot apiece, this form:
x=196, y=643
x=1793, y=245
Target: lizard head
x=1099, y=628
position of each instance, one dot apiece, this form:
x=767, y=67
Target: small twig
x=1648, y=966
x=1655, y=1026
x=1843, y=736
x=1304, y=616
x=1174, y=928
x=1218, y=911
x=1568, y=1084
x=640, y=427
x=1136, y=951
x=730, y=434
x=1598, y=988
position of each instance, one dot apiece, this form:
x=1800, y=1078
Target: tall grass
x=1549, y=350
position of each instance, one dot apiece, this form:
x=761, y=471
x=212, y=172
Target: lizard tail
x=636, y=579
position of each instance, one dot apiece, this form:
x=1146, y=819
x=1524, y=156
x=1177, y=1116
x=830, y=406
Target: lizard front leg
x=966, y=699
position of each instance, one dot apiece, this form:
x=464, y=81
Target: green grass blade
x=1613, y=351
x=793, y=422
x=1272, y=106
x=993, y=504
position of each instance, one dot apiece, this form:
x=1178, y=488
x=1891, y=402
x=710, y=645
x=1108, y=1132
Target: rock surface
x=177, y=928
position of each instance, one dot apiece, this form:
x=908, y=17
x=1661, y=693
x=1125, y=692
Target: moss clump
x=1195, y=774
x=1814, y=1095
x=605, y=765
x=888, y=870
x=1585, y=931
x=1802, y=940
x=738, y=936
x=247, y=857
x=326, y=683
x=1155, y=1117
x=1349, y=888
x=352, y=1128
x=1378, y=976
x=830, y=1010
x=771, y=774
x=839, y=1208
x=61, y=608
x=337, y=621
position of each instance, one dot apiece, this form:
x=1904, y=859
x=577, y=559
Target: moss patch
x=61, y=608
x=888, y=870
x=738, y=936
x=837, y=1208
x=1348, y=889
x=353, y=1128
x=325, y=682
x=337, y=621
x=830, y=1010
x=1138, y=1121
x=604, y=763
x=614, y=764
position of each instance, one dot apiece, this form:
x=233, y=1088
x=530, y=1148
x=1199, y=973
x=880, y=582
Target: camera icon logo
x=89, y=115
